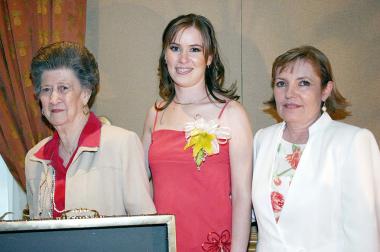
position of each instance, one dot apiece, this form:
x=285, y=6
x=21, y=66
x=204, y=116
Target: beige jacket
x=111, y=178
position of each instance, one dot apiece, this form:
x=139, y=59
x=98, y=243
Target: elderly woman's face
x=62, y=96
x=298, y=93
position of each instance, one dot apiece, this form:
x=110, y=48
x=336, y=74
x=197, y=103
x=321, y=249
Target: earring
x=42, y=112
x=85, y=109
x=324, y=109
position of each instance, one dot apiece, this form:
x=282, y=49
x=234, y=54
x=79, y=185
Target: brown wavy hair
x=336, y=103
x=214, y=75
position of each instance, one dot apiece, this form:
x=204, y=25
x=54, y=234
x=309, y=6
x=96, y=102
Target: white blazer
x=333, y=203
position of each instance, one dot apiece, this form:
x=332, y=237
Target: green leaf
x=199, y=158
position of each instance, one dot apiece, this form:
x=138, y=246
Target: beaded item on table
x=79, y=213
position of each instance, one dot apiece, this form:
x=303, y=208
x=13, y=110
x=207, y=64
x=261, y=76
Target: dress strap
x=221, y=111
x=156, y=116
x=155, y=121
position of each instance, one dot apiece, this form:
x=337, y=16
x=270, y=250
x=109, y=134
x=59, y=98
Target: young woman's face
x=185, y=58
x=62, y=97
x=298, y=93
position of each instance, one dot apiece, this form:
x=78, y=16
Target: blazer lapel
x=296, y=190
x=262, y=176
x=304, y=181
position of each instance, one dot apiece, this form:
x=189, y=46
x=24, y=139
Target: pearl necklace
x=52, y=197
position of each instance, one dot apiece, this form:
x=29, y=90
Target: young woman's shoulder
x=235, y=117
x=235, y=109
x=151, y=115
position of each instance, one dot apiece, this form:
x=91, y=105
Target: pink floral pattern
x=294, y=157
x=277, y=200
x=217, y=243
x=277, y=181
x=286, y=163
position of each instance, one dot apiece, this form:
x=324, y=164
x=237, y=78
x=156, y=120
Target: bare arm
x=241, y=174
x=147, y=138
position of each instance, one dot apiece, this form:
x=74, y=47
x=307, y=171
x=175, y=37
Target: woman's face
x=62, y=96
x=185, y=58
x=298, y=93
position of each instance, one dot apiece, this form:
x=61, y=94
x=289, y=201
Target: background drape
x=25, y=26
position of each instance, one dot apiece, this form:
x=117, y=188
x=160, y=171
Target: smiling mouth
x=56, y=110
x=291, y=106
x=183, y=70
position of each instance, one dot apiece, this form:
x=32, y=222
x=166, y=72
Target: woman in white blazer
x=316, y=182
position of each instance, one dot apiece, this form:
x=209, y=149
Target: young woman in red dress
x=198, y=142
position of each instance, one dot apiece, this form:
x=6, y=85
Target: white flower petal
x=215, y=146
x=211, y=127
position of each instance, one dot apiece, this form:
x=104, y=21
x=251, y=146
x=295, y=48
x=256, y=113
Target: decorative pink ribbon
x=217, y=243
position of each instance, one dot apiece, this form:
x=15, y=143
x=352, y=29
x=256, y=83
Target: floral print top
x=287, y=157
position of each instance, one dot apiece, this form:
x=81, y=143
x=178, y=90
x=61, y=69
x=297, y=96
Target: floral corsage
x=205, y=138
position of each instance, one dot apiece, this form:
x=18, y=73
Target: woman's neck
x=297, y=132
x=296, y=135
x=69, y=134
x=190, y=95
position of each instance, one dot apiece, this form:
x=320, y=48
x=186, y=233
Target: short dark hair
x=68, y=55
x=336, y=104
x=214, y=75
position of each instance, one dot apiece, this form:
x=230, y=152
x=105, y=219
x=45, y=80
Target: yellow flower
x=201, y=141
x=203, y=137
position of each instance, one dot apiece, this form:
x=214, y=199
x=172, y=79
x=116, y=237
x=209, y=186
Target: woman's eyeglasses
x=62, y=90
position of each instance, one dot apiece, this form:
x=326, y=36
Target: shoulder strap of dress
x=156, y=116
x=221, y=111
x=155, y=121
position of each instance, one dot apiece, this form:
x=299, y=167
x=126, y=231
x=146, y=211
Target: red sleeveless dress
x=199, y=199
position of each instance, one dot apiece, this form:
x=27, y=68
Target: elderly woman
x=84, y=164
x=316, y=182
